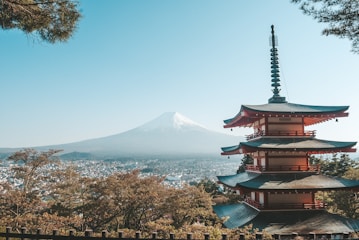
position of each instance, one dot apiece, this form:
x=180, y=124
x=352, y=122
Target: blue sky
x=132, y=60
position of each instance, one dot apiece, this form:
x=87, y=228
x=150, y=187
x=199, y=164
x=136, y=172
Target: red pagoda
x=279, y=187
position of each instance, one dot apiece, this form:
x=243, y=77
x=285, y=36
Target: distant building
x=280, y=186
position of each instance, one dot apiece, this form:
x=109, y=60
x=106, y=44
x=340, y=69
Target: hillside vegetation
x=128, y=202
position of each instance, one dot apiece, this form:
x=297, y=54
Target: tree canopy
x=50, y=20
x=47, y=194
x=341, y=17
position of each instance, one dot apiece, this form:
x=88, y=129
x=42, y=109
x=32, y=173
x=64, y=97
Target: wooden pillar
x=8, y=231
x=189, y=236
x=224, y=236
x=172, y=236
x=38, y=232
x=138, y=235
x=241, y=236
x=294, y=235
x=23, y=231
x=206, y=236
x=71, y=233
x=88, y=233
x=329, y=235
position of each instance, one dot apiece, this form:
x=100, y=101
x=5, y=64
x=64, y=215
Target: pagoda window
x=259, y=123
x=253, y=196
x=299, y=200
x=259, y=127
x=287, y=161
x=261, y=198
x=259, y=160
x=255, y=162
x=285, y=126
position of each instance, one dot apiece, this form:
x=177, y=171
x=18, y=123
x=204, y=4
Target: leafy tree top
x=50, y=20
x=341, y=17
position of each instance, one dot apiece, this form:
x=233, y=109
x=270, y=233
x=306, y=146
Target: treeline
x=65, y=200
x=343, y=202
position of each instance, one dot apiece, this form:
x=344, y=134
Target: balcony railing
x=278, y=168
x=253, y=203
x=311, y=133
x=316, y=205
x=273, y=206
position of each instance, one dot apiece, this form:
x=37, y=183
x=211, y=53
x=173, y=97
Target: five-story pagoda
x=279, y=187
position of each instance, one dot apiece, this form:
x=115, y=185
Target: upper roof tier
x=278, y=106
x=311, y=114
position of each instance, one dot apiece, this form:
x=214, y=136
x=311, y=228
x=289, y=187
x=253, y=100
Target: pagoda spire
x=275, y=72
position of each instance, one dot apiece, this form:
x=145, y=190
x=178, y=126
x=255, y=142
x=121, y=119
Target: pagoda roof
x=312, y=114
x=233, y=180
x=237, y=214
x=286, y=221
x=287, y=181
x=311, y=145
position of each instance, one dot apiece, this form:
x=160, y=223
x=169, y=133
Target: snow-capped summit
x=170, y=120
x=179, y=120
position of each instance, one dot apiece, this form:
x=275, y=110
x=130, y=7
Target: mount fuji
x=170, y=134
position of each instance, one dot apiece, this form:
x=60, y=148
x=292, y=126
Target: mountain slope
x=169, y=134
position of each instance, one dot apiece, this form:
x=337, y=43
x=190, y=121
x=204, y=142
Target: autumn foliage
x=125, y=200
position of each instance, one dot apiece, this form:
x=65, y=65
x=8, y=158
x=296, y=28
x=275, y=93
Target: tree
x=341, y=202
x=341, y=16
x=208, y=185
x=22, y=205
x=140, y=199
x=65, y=198
x=50, y=20
x=247, y=159
x=30, y=169
x=335, y=166
x=189, y=205
x=344, y=203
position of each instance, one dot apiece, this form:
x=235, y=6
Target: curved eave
x=236, y=215
x=232, y=150
x=233, y=180
x=309, y=145
x=311, y=114
x=298, y=181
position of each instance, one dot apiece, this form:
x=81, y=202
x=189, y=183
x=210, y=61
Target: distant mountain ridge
x=169, y=134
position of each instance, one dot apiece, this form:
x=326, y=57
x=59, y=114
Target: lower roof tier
x=304, y=144
x=286, y=221
x=286, y=181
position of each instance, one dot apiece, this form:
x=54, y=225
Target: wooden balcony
x=316, y=205
x=286, y=206
x=281, y=134
x=279, y=168
x=253, y=203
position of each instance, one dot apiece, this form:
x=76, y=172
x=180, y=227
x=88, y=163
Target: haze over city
x=131, y=61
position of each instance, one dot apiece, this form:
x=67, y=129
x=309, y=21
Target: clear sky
x=132, y=60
